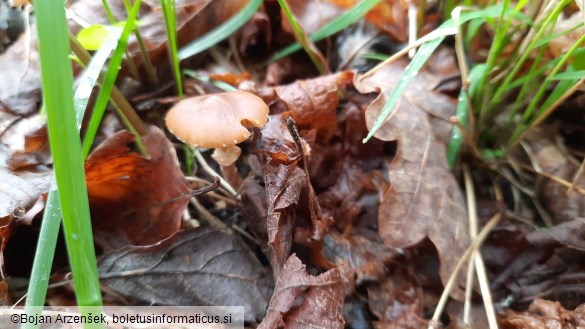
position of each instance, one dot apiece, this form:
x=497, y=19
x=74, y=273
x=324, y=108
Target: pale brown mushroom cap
x=217, y=120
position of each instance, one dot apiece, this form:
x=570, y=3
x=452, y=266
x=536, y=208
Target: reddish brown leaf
x=284, y=182
x=424, y=198
x=291, y=203
x=389, y=16
x=544, y=314
x=135, y=200
x=258, y=27
x=320, y=298
x=195, y=267
x=313, y=103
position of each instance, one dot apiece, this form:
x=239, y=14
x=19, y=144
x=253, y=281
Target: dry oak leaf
x=424, y=199
x=320, y=297
x=135, y=200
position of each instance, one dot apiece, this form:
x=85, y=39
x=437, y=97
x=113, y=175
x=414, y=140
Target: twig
x=207, y=168
x=477, y=258
x=451, y=282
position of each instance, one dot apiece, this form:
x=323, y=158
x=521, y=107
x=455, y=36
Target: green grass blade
x=575, y=75
x=303, y=39
x=168, y=8
x=535, y=101
x=109, y=80
x=90, y=76
x=546, y=40
x=108, y=10
x=421, y=57
x=424, y=53
x=550, y=19
x=457, y=135
x=329, y=29
x=221, y=32
x=57, y=79
x=52, y=216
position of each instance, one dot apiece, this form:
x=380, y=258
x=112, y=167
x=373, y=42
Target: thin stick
x=577, y=176
x=207, y=168
x=477, y=258
x=451, y=282
x=412, y=26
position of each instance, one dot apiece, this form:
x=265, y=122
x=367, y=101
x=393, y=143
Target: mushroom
x=218, y=121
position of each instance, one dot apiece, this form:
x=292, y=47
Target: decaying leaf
x=313, y=103
x=20, y=188
x=194, y=18
x=20, y=86
x=424, y=199
x=397, y=301
x=366, y=255
x=304, y=301
x=549, y=158
x=194, y=267
x=544, y=314
x=135, y=200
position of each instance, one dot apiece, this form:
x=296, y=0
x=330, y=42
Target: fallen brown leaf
x=549, y=158
x=313, y=103
x=424, y=199
x=398, y=299
x=20, y=86
x=135, y=200
x=320, y=298
x=389, y=16
x=20, y=188
x=195, y=267
x=544, y=314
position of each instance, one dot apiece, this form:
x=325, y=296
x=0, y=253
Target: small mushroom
x=218, y=121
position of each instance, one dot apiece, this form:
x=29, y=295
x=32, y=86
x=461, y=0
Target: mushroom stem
x=207, y=168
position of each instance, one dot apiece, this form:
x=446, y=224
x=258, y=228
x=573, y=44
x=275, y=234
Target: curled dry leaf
x=424, y=199
x=313, y=103
x=135, y=200
x=304, y=301
x=292, y=206
x=194, y=267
